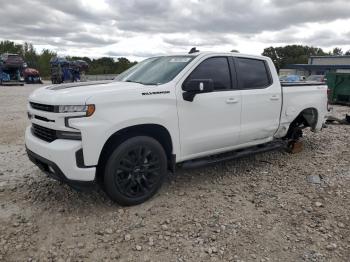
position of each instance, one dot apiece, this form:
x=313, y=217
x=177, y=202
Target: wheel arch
x=156, y=131
x=308, y=117
x=311, y=116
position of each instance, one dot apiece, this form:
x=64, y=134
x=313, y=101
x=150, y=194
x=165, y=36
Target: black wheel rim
x=137, y=171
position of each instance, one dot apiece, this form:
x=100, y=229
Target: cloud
x=190, y=40
x=224, y=16
x=141, y=28
x=315, y=34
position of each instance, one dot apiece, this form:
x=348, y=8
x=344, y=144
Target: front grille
x=44, y=133
x=42, y=107
x=43, y=118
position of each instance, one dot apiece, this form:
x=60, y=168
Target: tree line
x=281, y=56
x=297, y=54
x=41, y=61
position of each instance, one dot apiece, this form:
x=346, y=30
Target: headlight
x=70, y=108
x=88, y=109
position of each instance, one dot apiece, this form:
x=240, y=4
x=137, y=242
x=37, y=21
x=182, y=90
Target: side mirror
x=196, y=86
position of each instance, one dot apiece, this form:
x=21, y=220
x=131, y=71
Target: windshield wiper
x=142, y=83
x=132, y=81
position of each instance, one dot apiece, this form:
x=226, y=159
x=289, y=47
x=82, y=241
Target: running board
x=232, y=155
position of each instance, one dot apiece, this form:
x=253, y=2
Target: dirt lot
x=260, y=208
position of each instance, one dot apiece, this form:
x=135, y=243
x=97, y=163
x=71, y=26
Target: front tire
x=135, y=170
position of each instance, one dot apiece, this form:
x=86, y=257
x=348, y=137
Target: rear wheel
x=135, y=170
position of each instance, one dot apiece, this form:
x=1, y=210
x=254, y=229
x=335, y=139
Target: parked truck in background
x=63, y=70
x=127, y=134
x=11, y=66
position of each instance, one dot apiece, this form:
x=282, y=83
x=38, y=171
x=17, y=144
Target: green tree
x=123, y=64
x=106, y=65
x=291, y=54
x=272, y=53
x=10, y=47
x=44, y=62
x=337, y=51
x=84, y=58
x=30, y=56
x=103, y=65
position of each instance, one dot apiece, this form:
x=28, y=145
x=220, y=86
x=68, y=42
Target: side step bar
x=232, y=155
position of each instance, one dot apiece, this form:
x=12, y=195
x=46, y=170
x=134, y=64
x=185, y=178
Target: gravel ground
x=270, y=207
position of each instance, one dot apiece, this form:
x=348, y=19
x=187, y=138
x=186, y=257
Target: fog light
x=68, y=135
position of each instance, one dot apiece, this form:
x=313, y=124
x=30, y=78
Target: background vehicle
x=292, y=78
x=63, y=70
x=164, y=111
x=31, y=76
x=10, y=69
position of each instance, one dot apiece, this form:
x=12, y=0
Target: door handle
x=274, y=97
x=232, y=100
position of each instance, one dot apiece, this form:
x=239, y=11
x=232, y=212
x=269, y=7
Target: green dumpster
x=339, y=86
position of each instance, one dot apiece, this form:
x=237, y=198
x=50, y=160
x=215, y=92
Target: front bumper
x=58, y=159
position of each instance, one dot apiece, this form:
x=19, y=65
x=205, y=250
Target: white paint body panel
x=62, y=153
x=213, y=123
x=298, y=98
x=210, y=122
x=261, y=110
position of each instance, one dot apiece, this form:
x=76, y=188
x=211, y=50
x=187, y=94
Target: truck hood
x=79, y=93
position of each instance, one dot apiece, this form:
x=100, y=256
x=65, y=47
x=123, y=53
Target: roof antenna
x=193, y=50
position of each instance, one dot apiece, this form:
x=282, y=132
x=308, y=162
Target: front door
x=211, y=122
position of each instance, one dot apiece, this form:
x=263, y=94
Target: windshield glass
x=155, y=70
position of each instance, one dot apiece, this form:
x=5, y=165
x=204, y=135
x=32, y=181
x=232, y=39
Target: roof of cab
x=204, y=53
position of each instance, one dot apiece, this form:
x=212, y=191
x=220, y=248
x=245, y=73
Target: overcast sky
x=143, y=28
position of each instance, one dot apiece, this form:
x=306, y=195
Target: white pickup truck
x=185, y=109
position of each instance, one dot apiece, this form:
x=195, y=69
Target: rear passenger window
x=215, y=68
x=253, y=73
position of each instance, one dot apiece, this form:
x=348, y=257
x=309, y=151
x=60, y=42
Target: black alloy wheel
x=135, y=170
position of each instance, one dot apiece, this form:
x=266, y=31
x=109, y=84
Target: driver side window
x=215, y=68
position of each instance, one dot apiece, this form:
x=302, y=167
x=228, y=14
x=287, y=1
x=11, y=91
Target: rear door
x=261, y=100
x=211, y=122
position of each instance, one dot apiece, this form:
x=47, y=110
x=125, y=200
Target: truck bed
x=298, y=97
x=301, y=83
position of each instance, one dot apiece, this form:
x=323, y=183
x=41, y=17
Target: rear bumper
x=58, y=159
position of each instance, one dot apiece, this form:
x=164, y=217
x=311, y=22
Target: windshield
x=155, y=70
